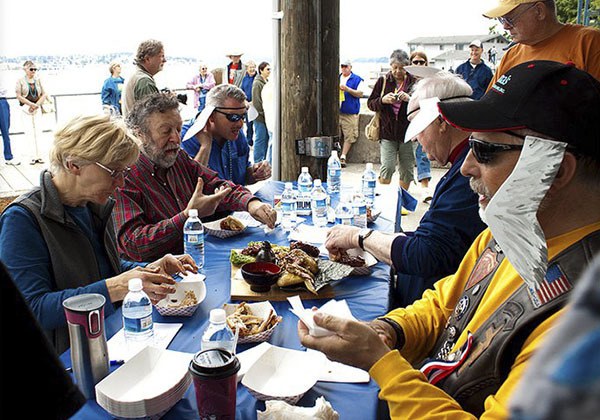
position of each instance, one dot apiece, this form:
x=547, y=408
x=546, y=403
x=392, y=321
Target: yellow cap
x=505, y=6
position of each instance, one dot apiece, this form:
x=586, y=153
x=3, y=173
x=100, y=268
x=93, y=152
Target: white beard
x=511, y=214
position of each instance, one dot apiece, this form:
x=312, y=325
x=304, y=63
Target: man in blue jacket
x=351, y=90
x=452, y=222
x=475, y=72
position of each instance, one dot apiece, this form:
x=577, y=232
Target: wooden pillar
x=303, y=53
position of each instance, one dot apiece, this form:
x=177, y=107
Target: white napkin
x=333, y=307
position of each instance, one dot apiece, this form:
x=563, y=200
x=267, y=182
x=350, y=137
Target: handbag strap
x=383, y=88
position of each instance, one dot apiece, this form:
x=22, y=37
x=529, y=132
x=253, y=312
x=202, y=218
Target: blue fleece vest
x=351, y=105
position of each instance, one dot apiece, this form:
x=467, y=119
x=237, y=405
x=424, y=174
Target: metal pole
x=579, y=7
x=586, y=13
x=319, y=61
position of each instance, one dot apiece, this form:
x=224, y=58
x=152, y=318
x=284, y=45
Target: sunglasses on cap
x=419, y=62
x=485, y=152
x=115, y=173
x=233, y=117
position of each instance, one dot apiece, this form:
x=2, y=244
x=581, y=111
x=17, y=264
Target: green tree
x=567, y=11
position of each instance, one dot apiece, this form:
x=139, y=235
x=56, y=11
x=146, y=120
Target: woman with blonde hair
x=31, y=95
x=58, y=240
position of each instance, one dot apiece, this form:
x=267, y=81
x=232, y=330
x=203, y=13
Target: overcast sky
x=204, y=29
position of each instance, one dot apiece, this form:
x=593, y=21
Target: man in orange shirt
x=539, y=35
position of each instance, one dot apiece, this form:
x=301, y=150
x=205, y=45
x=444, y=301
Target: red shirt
x=233, y=66
x=148, y=214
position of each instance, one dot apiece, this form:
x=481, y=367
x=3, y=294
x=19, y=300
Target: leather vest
x=72, y=255
x=500, y=339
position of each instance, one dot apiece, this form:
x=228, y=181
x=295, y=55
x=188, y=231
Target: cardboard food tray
x=240, y=290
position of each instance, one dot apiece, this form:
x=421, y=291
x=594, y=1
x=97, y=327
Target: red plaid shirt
x=149, y=214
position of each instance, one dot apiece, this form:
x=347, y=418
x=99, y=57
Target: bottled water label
x=137, y=325
x=369, y=185
x=194, y=246
x=288, y=207
x=360, y=215
x=343, y=221
x=320, y=204
x=303, y=207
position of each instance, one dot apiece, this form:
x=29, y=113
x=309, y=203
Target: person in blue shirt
x=111, y=90
x=215, y=137
x=475, y=72
x=58, y=240
x=247, y=82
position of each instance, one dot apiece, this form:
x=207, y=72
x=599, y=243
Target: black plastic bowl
x=260, y=275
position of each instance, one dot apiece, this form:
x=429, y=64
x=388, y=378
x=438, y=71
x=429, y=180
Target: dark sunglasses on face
x=32, y=69
x=233, y=117
x=419, y=62
x=485, y=152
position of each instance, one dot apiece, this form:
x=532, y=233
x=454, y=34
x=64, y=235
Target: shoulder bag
x=372, y=128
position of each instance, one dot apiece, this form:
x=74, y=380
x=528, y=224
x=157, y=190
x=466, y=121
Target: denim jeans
x=261, y=141
x=201, y=103
x=423, y=164
x=4, y=127
x=249, y=131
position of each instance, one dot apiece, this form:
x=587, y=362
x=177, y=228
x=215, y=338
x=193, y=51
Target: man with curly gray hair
x=149, y=59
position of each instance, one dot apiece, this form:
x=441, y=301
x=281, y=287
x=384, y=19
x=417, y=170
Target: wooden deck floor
x=15, y=180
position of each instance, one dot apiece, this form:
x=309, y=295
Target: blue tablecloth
x=366, y=296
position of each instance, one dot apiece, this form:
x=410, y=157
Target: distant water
x=89, y=80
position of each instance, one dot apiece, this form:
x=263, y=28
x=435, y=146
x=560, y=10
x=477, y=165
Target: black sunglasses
x=233, y=117
x=32, y=69
x=485, y=152
x=419, y=62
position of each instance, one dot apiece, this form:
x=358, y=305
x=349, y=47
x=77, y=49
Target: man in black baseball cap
x=535, y=163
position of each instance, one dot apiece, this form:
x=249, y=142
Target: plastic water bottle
x=359, y=209
x=334, y=173
x=137, y=314
x=369, y=179
x=318, y=204
x=218, y=334
x=344, y=214
x=193, y=238
x=288, y=207
x=304, y=186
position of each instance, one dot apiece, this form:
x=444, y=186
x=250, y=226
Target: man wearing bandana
x=535, y=164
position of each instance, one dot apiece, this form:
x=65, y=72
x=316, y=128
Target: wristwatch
x=363, y=234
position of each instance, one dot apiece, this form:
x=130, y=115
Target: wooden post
x=300, y=58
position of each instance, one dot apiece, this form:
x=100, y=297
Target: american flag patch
x=554, y=285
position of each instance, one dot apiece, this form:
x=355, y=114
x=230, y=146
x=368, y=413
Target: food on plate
x=248, y=323
x=351, y=260
x=265, y=253
x=189, y=299
x=311, y=250
x=239, y=258
x=231, y=223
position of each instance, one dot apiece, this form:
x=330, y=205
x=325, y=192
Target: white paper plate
x=165, y=306
x=260, y=309
x=283, y=374
x=214, y=228
x=147, y=385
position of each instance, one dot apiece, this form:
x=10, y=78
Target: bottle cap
x=217, y=315
x=317, y=182
x=369, y=166
x=135, y=285
x=193, y=212
x=305, y=169
x=334, y=153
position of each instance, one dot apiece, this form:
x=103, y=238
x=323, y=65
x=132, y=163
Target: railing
x=72, y=95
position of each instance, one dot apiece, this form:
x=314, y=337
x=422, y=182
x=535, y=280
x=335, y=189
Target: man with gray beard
x=460, y=351
x=166, y=183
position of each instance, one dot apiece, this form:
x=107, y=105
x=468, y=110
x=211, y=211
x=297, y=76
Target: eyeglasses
x=510, y=22
x=485, y=152
x=32, y=69
x=419, y=62
x=343, y=66
x=233, y=117
x=115, y=173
